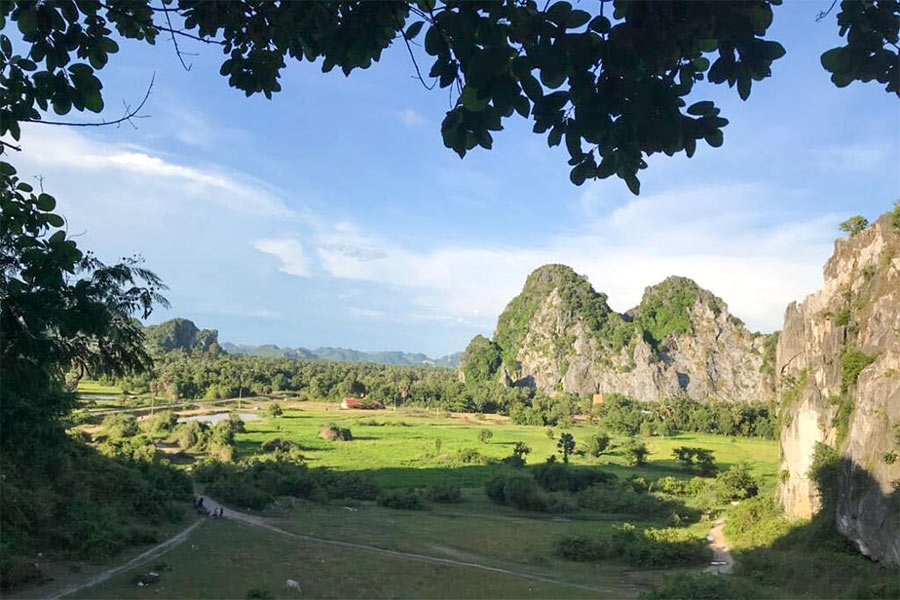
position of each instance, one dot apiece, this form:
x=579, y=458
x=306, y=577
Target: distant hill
x=181, y=334
x=344, y=355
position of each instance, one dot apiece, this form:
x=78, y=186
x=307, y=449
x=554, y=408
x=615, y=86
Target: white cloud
x=289, y=252
x=723, y=236
x=410, y=118
x=59, y=148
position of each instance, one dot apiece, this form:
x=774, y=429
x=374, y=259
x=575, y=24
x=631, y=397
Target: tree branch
x=175, y=43
x=127, y=117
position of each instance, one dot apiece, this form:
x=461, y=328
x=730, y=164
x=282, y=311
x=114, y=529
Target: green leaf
x=532, y=87
x=55, y=220
x=46, y=202
x=577, y=18
x=743, y=85
x=715, y=138
x=834, y=60
x=579, y=173
x=600, y=25
x=434, y=41
x=701, y=63
x=699, y=109
x=470, y=100
x=633, y=183
x=413, y=30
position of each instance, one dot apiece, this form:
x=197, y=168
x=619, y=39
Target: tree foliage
x=854, y=225
x=611, y=84
x=565, y=446
x=61, y=311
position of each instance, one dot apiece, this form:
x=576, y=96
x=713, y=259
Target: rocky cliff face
x=838, y=361
x=559, y=334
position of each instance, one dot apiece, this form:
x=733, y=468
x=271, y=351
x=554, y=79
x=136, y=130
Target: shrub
x=565, y=445
x=410, y=499
x=757, y=522
x=636, y=452
x=703, y=586
x=853, y=362
x=522, y=492
x=332, y=432
x=120, y=425
x=695, y=457
x=191, y=435
x=136, y=448
x=445, y=493
x=854, y=225
x=485, y=435
x=554, y=476
x=274, y=410
x=597, y=445
x=646, y=548
x=472, y=456
x=277, y=445
x=237, y=423
x=622, y=500
x=736, y=484
x=161, y=422
x=259, y=594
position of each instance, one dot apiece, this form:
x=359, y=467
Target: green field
x=506, y=552
x=400, y=450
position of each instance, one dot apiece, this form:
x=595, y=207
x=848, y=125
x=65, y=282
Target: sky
x=332, y=214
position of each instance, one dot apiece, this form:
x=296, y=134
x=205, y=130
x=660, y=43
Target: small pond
x=222, y=416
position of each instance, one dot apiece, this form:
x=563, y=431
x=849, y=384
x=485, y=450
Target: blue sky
x=333, y=215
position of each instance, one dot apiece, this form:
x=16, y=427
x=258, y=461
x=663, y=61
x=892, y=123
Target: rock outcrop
x=560, y=335
x=838, y=365
x=181, y=334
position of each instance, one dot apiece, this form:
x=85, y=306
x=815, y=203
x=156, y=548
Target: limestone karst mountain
x=838, y=363
x=559, y=334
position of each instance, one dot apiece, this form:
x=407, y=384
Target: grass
x=400, y=450
x=225, y=559
x=89, y=386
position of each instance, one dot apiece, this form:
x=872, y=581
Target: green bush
x=191, y=435
x=410, y=499
x=661, y=548
x=636, y=452
x=274, y=410
x=485, y=435
x=161, y=422
x=597, y=445
x=702, y=586
x=736, y=484
x=853, y=361
x=445, y=493
x=471, y=456
x=332, y=432
x=277, y=445
x=756, y=522
x=699, y=458
x=522, y=492
x=120, y=425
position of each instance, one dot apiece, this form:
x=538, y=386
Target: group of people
x=216, y=513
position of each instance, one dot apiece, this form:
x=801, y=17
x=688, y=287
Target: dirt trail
x=138, y=560
x=721, y=554
x=212, y=506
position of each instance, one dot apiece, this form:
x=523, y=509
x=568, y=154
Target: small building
x=597, y=399
x=360, y=404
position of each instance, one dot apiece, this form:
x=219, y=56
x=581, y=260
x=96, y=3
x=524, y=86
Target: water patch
x=213, y=419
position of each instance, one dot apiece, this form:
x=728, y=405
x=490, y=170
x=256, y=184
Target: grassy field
x=399, y=448
x=226, y=558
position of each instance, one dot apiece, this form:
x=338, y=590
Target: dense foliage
x=640, y=548
x=624, y=415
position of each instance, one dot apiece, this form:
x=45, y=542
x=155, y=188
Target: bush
x=410, y=499
x=277, y=445
x=522, y=492
x=555, y=476
x=618, y=499
x=597, y=445
x=161, y=422
x=120, y=425
x=191, y=435
x=485, y=435
x=700, y=458
x=756, y=522
x=647, y=548
x=274, y=410
x=331, y=432
x=636, y=452
x=703, y=586
x=472, y=456
x=736, y=484
x=445, y=493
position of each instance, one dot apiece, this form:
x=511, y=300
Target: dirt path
x=212, y=506
x=138, y=560
x=721, y=554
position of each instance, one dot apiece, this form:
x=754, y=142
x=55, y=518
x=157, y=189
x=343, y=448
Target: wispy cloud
x=853, y=157
x=289, y=252
x=410, y=118
x=365, y=312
